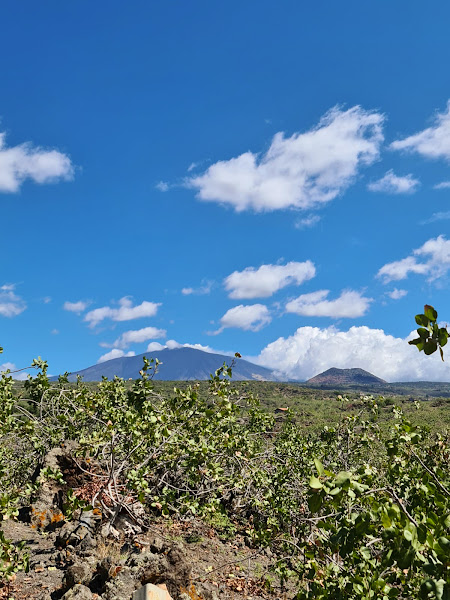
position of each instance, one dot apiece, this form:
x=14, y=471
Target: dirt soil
x=211, y=568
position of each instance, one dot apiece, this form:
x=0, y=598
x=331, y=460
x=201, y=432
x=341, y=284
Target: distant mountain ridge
x=178, y=364
x=337, y=377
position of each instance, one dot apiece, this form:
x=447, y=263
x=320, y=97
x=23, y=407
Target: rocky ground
x=86, y=558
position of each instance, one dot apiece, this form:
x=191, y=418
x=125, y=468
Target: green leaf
x=439, y=589
x=342, y=478
x=444, y=543
x=319, y=466
x=443, y=336
x=430, y=313
x=430, y=346
x=315, y=483
x=422, y=320
x=314, y=502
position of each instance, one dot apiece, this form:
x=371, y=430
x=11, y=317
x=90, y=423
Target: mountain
x=178, y=364
x=338, y=377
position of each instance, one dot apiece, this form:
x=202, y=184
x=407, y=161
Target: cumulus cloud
x=432, y=259
x=155, y=347
x=125, y=312
x=394, y=184
x=249, y=318
x=11, y=304
x=311, y=350
x=444, y=185
x=136, y=336
x=76, y=307
x=350, y=304
x=397, y=294
x=267, y=279
x=433, y=142
x=301, y=171
x=9, y=366
x=25, y=161
x=114, y=353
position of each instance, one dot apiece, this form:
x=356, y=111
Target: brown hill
x=339, y=377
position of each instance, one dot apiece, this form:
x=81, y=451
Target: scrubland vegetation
x=351, y=494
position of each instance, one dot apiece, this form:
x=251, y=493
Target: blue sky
x=268, y=178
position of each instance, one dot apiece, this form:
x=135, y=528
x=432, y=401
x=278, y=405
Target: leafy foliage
x=355, y=511
x=431, y=336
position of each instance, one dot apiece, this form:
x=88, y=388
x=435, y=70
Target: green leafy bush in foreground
x=352, y=512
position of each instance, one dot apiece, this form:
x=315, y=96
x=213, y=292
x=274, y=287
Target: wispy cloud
x=301, y=171
x=439, y=216
x=391, y=183
x=202, y=290
x=307, y=222
x=25, y=161
x=162, y=186
x=264, y=281
x=76, y=307
x=444, y=185
x=397, y=294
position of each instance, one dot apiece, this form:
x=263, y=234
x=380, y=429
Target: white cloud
x=9, y=366
x=76, y=307
x=125, y=312
x=249, y=318
x=308, y=221
x=301, y=171
x=200, y=291
x=311, y=350
x=155, y=347
x=162, y=186
x=436, y=263
x=267, y=279
x=350, y=304
x=54, y=331
x=439, y=216
x=444, y=185
x=397, y=294
x=115, y=353
x=24, y=161
x=433, y=142
x=393, y=184
x=137, y=336
x=172, y=344
x=11, y=304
